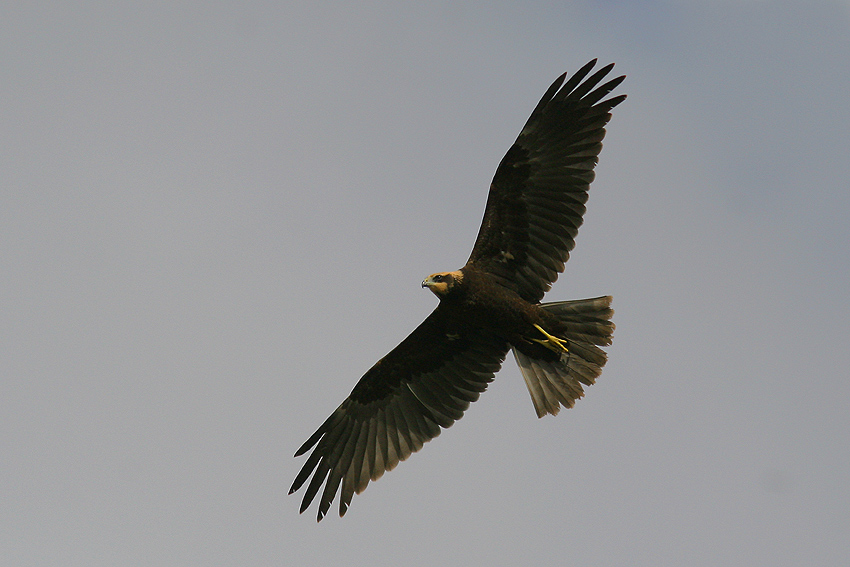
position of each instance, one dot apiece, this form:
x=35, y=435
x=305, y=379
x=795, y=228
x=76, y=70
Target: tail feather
x=585, y=324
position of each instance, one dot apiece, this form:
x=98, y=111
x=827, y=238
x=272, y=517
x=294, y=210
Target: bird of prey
x=488, y=307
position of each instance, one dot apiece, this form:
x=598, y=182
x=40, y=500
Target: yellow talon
x=551, y=342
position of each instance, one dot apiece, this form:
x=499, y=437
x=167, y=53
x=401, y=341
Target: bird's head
x=443, y=283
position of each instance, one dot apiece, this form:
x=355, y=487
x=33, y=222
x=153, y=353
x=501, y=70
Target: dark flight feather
x=537, y=197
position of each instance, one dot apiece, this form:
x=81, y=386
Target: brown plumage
x=488, y=307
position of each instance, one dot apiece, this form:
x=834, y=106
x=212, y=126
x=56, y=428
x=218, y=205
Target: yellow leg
x=551, y=342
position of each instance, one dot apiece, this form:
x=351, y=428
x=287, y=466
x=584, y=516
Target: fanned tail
x=586, y=325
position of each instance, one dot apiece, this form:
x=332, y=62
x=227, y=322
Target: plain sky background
x=215, y=216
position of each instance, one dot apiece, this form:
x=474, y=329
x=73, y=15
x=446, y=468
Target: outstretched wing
x=537, y=196
x=423, y=384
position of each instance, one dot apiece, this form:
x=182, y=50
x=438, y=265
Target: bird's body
x=476, y=300
x=488, y=307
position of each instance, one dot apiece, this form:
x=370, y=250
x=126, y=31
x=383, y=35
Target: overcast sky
x=214, y=218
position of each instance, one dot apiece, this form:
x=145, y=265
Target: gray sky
x=215, y=217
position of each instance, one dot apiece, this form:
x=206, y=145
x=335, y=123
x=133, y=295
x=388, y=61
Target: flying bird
x=486, y=308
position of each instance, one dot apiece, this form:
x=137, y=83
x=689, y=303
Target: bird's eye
x=438, y=278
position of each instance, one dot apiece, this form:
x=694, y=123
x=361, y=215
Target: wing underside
x=423, y=385
x=538, y=194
